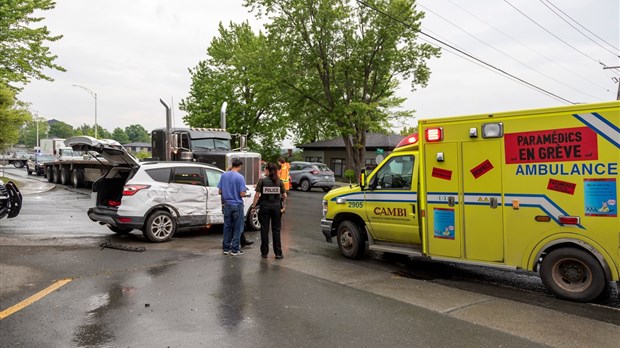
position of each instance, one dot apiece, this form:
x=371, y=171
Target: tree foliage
x=137, y=134
x=23, y=54
x=28, y=132
x=12, y=117
x=238, y=70
x=409, y=130
x=119, y=135
x=60, y=130
x=339, y=63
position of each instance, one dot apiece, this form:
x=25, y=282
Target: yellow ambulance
x=532, y=189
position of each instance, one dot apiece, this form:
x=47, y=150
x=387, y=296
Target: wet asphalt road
x=185, y=293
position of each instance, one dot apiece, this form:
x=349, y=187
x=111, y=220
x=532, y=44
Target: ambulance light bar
x=409, y=140
x=433, y=134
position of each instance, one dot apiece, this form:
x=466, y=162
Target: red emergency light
x=433, y=134
x=569, y=220
x=408, y=140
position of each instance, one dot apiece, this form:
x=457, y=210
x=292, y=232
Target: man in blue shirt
x=232, y=188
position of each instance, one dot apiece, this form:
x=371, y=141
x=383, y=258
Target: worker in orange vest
x=283, y=173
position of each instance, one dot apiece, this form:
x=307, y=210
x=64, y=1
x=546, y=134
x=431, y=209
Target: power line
x=486, y=67
x=564, y=13
x=507, y=55
x=579, y=31
x=570, y=71
x=465, y=53
x=550, y=33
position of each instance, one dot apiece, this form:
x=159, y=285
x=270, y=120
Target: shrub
x=349, y=174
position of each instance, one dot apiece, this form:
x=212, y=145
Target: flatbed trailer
x=75, y=172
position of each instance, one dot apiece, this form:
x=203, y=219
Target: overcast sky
x=131, y=53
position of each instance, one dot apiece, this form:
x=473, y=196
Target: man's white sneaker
x=235, y=253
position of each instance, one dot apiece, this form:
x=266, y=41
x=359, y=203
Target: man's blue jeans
x=233, y=227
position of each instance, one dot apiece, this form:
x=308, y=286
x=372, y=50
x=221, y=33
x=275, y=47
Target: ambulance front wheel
x=573, y=274
x=350, y=240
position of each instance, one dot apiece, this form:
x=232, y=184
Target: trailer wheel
x=159, y=227
x=65, y=176
x=77, y=177
x=49, y=174
x=350, y=240
x=573, y=274
x=56, y=174
x=18, y=164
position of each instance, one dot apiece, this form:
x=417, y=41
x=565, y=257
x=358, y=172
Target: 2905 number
x=355, y=204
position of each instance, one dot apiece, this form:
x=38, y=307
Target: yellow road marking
x=34, y=298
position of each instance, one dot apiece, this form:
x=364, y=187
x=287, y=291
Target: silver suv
x=307, y=175
x=155, y=197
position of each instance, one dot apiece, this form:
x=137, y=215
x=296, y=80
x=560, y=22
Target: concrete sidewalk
x=29, y=186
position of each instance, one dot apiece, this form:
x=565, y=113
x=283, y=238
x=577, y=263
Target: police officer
x=271, y=196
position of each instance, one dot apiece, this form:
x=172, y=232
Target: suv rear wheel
x=252, y=220
x=305, y=185
x=159, y=227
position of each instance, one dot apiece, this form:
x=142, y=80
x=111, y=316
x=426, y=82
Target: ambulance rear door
x=482, y=200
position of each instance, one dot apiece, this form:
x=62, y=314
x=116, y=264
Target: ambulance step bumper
x=326, y=228
x=402, y=250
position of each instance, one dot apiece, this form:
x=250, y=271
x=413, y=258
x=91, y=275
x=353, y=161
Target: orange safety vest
x=283, y=173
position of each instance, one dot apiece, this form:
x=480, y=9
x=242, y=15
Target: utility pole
x=615, y=79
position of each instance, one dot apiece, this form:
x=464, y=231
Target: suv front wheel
x=159, y=227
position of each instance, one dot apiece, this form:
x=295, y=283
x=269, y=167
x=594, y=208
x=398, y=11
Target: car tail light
x=112, y=203
x=314, y=171
x=124, y=219
x=130, y=190
x=433, y=134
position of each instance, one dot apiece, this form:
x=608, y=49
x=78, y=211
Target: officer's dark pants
x=267, y=214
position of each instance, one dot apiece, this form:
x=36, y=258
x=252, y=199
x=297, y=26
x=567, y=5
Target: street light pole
x=94, y=95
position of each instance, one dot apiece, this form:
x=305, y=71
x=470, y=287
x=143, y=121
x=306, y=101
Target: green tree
x=237, y=71
x=28, y=133
x=12, y=117
x=60, y=130
x=119, y=135
x=85, y=129
x=89, y=130
x=409, y=130
x=137, y=134
x=340, y=64
x=23, y=55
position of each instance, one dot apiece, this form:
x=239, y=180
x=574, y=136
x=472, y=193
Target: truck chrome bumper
x=326, y=228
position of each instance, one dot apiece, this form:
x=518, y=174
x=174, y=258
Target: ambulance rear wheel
x=350, y=240
x=573, y=274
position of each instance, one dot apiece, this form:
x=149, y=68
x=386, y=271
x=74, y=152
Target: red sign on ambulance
x=555, y=145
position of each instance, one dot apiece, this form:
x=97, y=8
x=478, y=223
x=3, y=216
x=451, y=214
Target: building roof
x=373, y=140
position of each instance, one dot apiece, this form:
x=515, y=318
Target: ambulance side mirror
x=362, y=179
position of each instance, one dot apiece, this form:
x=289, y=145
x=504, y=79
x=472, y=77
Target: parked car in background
x=35, y=163
x=306, y=175
x=156, y=197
